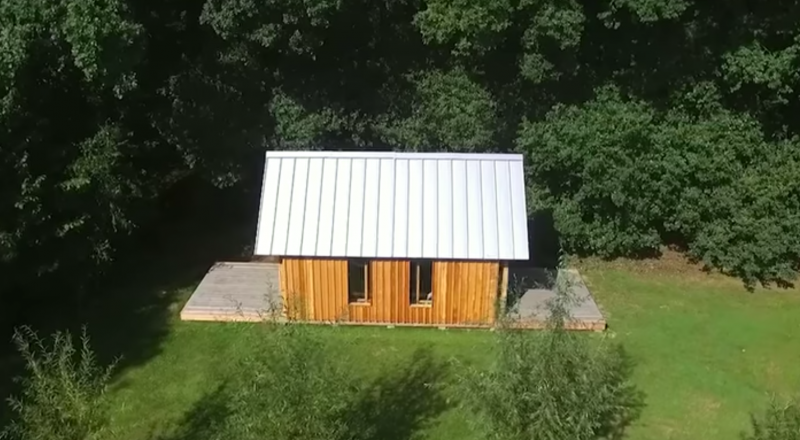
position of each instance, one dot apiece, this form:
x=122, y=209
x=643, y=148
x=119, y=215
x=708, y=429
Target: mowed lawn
x=707, y=354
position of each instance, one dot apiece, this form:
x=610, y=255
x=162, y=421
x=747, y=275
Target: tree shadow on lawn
x=398, y=405
x=629, y=402
x=134, y=316
x=206, y=418
x=130, y=313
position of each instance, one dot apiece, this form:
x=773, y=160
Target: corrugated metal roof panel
x=393, y=205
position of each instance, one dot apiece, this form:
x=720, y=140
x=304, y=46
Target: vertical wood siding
x=314, y=289
x=465, y=292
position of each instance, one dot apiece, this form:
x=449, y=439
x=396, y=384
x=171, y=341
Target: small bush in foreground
x=781, y=421
x=553, y=385
x=289, y=389
x=62, y=393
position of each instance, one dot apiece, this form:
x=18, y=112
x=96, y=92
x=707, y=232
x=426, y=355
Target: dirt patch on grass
x=708, y=405
x=774, y=376
x=670, y=262
x=673, y=266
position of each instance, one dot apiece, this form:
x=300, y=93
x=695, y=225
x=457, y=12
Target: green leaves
x=558, y=24
x=600, y=172
x=448, y=111
x=652, y=10
x=280, y=26
x=552, y=385
x=298, y=128
x=781, y=421
x=623, y=181
x=103, y=41
x=646, y=122
x=470, y=27
x=65, y=189
x=62, y=392
x=295, y=390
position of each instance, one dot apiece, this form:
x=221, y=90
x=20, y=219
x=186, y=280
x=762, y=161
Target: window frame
x=366, y=301
x=415, y=279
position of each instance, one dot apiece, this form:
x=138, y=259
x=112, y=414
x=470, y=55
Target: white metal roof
x=393, y=205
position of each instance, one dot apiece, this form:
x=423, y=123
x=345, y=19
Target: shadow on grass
x=206, y=418
x=403, y=402
x=129, y=314
x=628, y=403
x=396, y=406
x=133, y=317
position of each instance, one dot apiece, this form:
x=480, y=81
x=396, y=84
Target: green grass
x=197, y=357
x=706, y=351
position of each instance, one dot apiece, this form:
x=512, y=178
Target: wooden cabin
x=393, y=238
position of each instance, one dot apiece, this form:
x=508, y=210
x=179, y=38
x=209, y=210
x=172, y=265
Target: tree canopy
x=644, y=122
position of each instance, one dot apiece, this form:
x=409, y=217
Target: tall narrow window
x=421, y=282
x=358, y=281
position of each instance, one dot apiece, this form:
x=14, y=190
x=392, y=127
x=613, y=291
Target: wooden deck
x=233, y=291
x=531, y=311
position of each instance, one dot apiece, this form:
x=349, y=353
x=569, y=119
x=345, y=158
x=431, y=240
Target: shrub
x=781, y=421
x=62, y=394
x=291, y=389
x=553, y=385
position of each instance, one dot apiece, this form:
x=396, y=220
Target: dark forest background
x=644, y=123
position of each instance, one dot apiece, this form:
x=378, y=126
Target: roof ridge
x=313, y=154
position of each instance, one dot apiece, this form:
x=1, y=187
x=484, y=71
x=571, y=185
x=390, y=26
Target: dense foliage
x=554, y=384
x=645, y=122
x=623, y=178
x=781, y=421
x=293, y=389
x=61, y=393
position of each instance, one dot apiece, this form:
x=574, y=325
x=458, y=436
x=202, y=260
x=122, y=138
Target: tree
x=623, y=179
x=65, y=186
x=107, y=105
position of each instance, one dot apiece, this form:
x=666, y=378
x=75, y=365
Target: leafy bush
x=62, y=393
x=554, y=384
x=597, y=168
x=291, y=389
x=447, y=111
x=779, y=422
x=622, y=180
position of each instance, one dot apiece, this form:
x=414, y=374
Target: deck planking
x=238, y=291
x=233, y=291
x=539, y=287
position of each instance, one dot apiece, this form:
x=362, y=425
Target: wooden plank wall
x=389, y=283
x=314, y=289
x=465, y=293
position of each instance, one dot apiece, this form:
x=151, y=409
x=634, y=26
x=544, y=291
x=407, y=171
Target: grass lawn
x=707, y=354
x=707, y=351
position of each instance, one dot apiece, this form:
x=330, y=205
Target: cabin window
x=357, y=281
x=421, y=282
